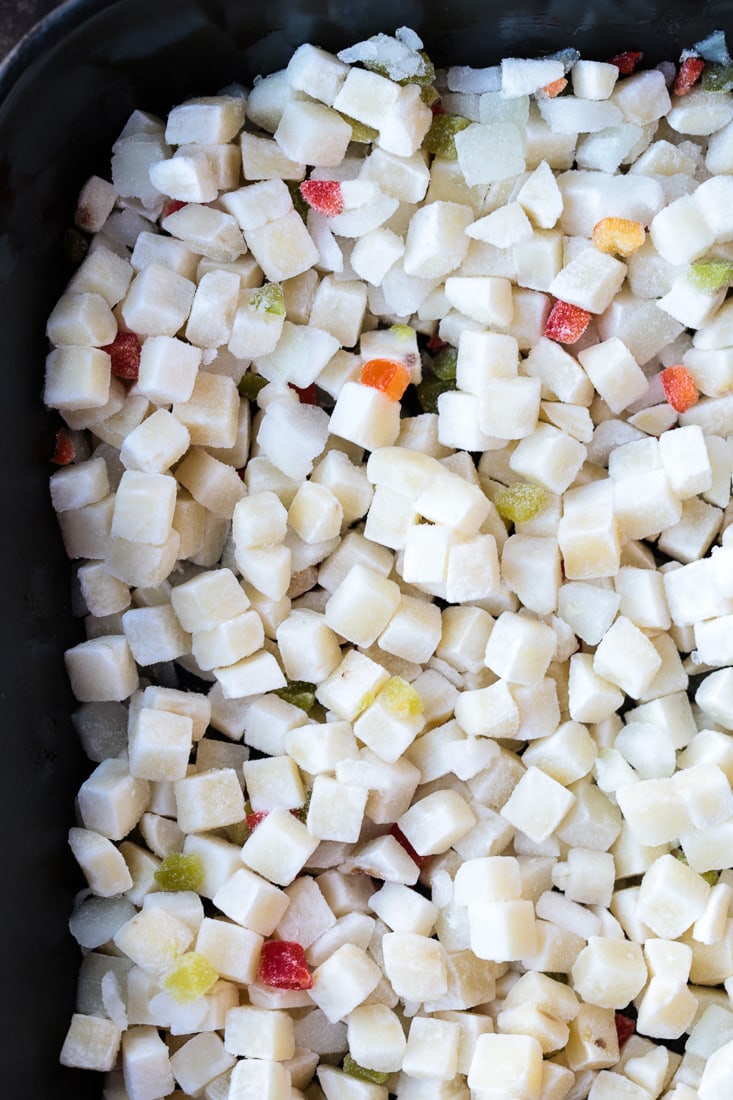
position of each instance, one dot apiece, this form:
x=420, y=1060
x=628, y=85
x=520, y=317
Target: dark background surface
x=17, y=17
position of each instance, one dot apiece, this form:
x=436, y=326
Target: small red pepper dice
x=679, y=388
x=283, y=965
x=124, y=351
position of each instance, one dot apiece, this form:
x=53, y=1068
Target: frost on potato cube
x=415, y=965
x=367, y=97
x=144, y=507
x=213, y=309
x=680, y=233
x=211, y=412
x=491, y=151
x=84, y=320
x=671, y=897
x=210, y=232
x=313, y=133
x=263, y=159
x=282, y=247
x=537, y=805
x=208, y=800
x=504, y=1065
x=627, y=658
x=156, y=444
x=436, y=241
x=154, y=634
x=185, y=178
x=102, y=669
x=609, y=972
x=160, y=745
x=299, y=356
x=168, y=369
x=519, y=648
x=91, y=1042
x=589, y=281
x=77, y=378
x=614, y=372
x=157, y=302
x=344, y=981
x=205, y=120
x=365, y=416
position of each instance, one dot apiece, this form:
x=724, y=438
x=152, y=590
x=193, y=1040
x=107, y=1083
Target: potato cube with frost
x=160, y=745
x=77, y=378
x=589, y=281
x=211, y=411
x=291, y=435
x=154, y=634
x=251, y=901
x=519, y=648
x=609, y=972
x=144, y=507
x=252, y=1032
x=537, y=805
x=233, y=951
x=210, y=232
x=91, y=1042
x=415, y=965
x=168, y=369
x=436, y=242
x=490, y=151
x=208, y=599
x=216, y=485
x=199, y=1061
x=343, y=981
x=252, y=1077
x=376, y=1038
x=434, y=823
x=112, y=800
x=671, y=897
x=228, y=642
x=614, y=372
x=145, y=1062
x=101, y=862
x=365, y=416
x=156, y=444
x=208, y=800
x=153, y=939
x=157, y=302
x=336, y=810
x=101, y=669
x=627, y=658
x=279, y=847
x=549, y=457
x=362, y=605
x=432, y=1049
x=309, y=649
x=313, y=133
x=282, y=247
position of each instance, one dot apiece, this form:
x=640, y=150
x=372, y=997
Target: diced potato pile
x=396, y=472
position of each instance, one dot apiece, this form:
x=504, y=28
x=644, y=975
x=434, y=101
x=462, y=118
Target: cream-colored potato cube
x=233, y=951
x=101, y=862
x=609, y=972
x=91, y=1042
x=77, y=378
x=506, y=1063
x=208, y=800
x=279, y=847
x=101, y=669
x=415, y=965
x=251, y=901
x=519, y=648
x=211, y=412
x=259, y=1033
x=160, y=745
x=344, y=981
x=537, y=804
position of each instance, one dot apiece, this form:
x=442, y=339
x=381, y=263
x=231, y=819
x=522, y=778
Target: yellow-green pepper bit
x=521, y=502
x=189, y=978
x=180, y=872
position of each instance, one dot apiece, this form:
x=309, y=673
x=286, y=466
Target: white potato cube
x=614, y=372
x=77, y=378
x=101, y=669
x=590, y=281
x=168, y=369
x=519, y=648
x=537, y=805
x=208, y=800
x=251, y=901
x=344, y=981
x=208, y=599
x=627, y=658
x=415, y=965
x=156, y=444
x=506, y=1062
x=160, y=745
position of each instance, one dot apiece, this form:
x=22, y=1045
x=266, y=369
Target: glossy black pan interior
x=64, y=95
